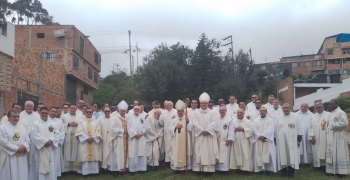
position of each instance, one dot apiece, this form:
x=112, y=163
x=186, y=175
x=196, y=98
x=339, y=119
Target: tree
x=4, y=10
x=25, y=12
x=237, y=77
x=205, y=67
x=105, y=93
x=165, y=76
x=270, y=87
x=260, y=79
x=286, y=73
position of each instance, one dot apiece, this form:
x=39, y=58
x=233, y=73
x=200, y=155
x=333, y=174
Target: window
x=346, y=60
x=3, y=29
x=40, y=35
x=81, y=46
x=316, y=63
x=301, y=64
x=346, y=71
x=334, y=71
x=90, y=73
x=314, y=73
x=96, y=58
x=75, y=62
x=263, y=67
x=346, y=51
x=96, y=77
x=49, y=56
x=85, y=90
x=333, y=61
x=330, y=51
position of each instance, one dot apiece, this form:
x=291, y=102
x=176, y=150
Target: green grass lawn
x=167, y=174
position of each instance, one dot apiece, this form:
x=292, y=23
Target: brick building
x=333, y=57
x=53, y=64
x=7, y=50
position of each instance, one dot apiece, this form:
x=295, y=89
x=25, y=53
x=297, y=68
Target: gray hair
x=28, y=102
x=158, y=111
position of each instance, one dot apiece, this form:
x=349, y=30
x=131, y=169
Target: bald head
x=222, y=111
x=304, y=107
x=240, y=113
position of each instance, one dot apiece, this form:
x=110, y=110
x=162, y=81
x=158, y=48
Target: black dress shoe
x=261, y=172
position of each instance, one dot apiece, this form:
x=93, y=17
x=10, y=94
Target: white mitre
x=204, y=97
x=180, y=105
x=123, y=105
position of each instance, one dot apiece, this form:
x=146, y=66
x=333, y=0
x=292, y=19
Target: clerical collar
x=263, y=118
x=257, y=108
x=275, y=108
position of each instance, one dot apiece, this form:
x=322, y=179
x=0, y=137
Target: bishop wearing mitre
x=205, y=153
x=180, y=157
x=117, y=142
x=89, y=135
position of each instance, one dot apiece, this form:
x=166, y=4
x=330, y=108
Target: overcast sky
x=272, y=28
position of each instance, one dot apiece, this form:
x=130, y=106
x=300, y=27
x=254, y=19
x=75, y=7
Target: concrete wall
x=324, y=94
x=7, y=39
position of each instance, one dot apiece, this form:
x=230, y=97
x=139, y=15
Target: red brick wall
x=288, y=95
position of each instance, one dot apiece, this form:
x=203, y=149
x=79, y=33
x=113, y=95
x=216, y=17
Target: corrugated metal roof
x=342, y=37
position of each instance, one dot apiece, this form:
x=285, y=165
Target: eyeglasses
x=81, y=102
x=65, y=107
x=107, y=111
x=317, y=107
x=257, y=102
x=44, y=113
x=88, y=112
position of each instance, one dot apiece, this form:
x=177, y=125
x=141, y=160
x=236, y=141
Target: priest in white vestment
x=255, y=113
x=45, y=137
x=251, y=105
x=89, y=134
x=136, y=143
x=225, y=137
x=275, y=112
x=14, y=146
x=305, y=117
x=264, y=150
x=105, y=123
x=60, y=136
x=180, y=152
x=116, y=152
x=16, y=107
x=190, y=111
x=70, y=147
x=269, y=105
x=337, y=152
x=154, y=133
x=241, y=152
x=205, y=152
x=246, y=112
x=288, y=141
x=232, y=106
x=27, y=116
x=318, y=136
x=229, y=113
x=167, y=116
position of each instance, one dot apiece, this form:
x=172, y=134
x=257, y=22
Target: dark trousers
x=288, y=170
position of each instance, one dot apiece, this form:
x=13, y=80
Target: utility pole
x=137, y=56
x=117, y=68
x=229, y=43
x=250, y=52
x=131, y=71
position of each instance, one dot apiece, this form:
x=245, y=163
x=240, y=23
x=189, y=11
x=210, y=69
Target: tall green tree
x=205, y=67
x=4, y=10
x=164, y=76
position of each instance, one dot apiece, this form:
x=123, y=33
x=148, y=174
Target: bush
x=344, y=103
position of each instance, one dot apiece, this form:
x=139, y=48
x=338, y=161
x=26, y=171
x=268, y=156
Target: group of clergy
x=249, y=138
